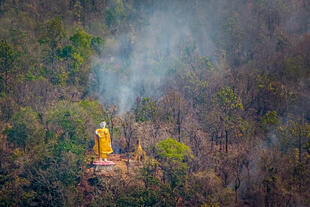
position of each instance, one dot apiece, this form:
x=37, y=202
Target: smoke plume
x=136, y=62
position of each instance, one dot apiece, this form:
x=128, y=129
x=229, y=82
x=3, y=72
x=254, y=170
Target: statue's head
x=102, y=124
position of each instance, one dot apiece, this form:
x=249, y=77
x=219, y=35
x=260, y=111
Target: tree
x=115, y=13
x=27, y=129
x=145, y=110
x=172, y=110
x=231, y=39
x=77, y=11
x=52, y=35
x=294, y=136
x=129, y=129
x=76, y=55
x=7, y=60
x=173, y=157
x=72, y=126
x=111, y=118
x=226, y=112
x=269, y=120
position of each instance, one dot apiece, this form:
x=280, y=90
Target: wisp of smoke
x=136, y=63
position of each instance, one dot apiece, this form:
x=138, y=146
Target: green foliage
x=295, y=68
x=271, y=118
x=30, y=76
x=115, y=13
x=81, y=50
x=44, y=149
x=81, y=41
x=308, y=148
x=70, y=127
x=7, y=55
x=153, y=193
x=52, y=36
x=173, y=157
x=226, y=114
x=195, y=87
x=53, y=32
x=97, y=44
x=148, y=172
x=67, y=121
x=94, y=109
x=145, y=110
x=54, y=178
x=227, y=108
x=55, y=171
x=66, y=52
x=77, y=10
x=232, y=35
x=77, y=54
x=294, y=135
x=67, y=63
x=27, y=130
x=13, y=193
x=7, y=59
x=206, y=63
x=227, y=100
x=211, y=205
x=170, y=149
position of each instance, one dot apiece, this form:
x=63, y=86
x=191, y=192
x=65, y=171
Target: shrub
x=26, y=130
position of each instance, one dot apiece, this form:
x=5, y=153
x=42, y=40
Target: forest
x=217, y=93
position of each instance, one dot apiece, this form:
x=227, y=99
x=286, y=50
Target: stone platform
x=103, y=165
x=117, y=165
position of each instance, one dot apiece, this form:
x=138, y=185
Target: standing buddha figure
x=102, y=145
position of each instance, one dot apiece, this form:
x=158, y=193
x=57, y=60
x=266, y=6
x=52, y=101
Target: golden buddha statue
x=102, y=145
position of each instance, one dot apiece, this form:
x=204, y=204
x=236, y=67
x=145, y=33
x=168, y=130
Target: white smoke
x=137, y=62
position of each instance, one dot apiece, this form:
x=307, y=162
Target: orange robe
x=104, y=148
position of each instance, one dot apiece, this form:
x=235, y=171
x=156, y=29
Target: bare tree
x=129, y=129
